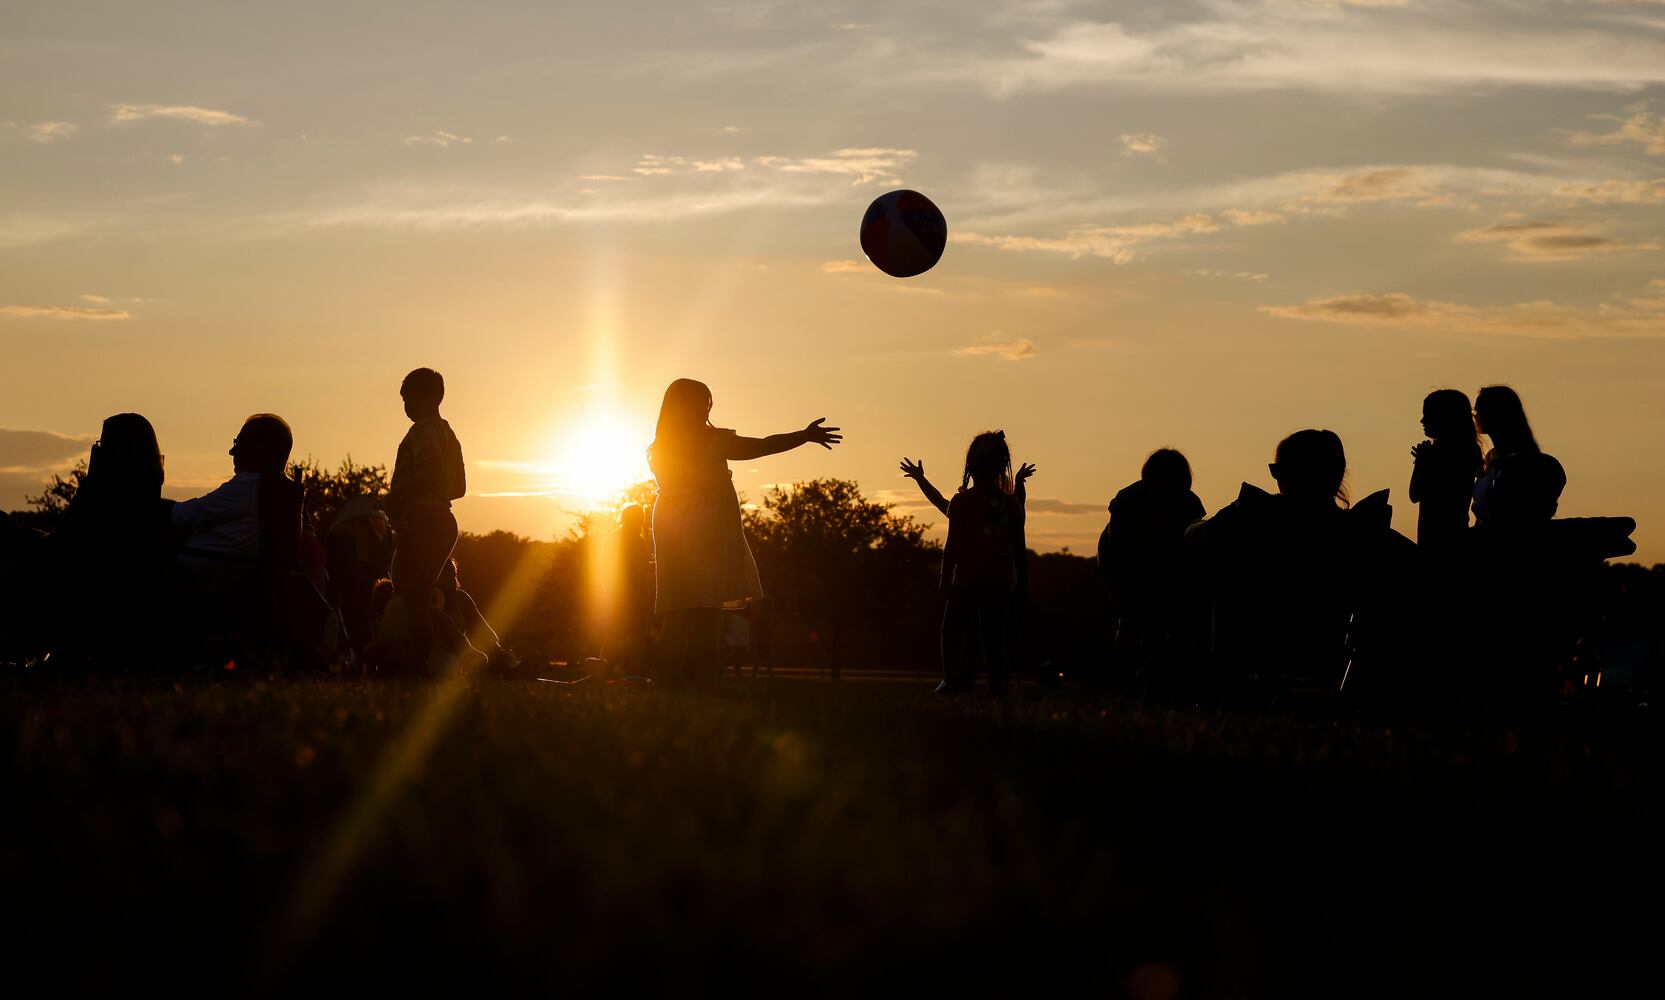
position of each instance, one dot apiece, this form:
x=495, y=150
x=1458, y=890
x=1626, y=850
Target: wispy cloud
x=654, y=165
x=1143, y=144
x=862, y=164
x=95, y=313
x=1257, y=277
x=1637, y=127
x=845, y=267
x=1352, y=48
x=1010, y=350
x=104, y=300
x=1642, y=316
x=213, y=117
x=1615, y=192
x=1050, y=505
x=48, y=132
x=440, y=138
x=1115, y=243
x=1536, y=241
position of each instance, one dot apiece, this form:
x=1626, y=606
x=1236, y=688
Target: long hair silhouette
x=1503, y=419
x=685, y=410
x=988, y=459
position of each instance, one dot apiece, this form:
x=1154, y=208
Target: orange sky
x=1196, y=225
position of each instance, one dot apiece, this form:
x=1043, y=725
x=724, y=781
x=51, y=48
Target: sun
x=600, y=457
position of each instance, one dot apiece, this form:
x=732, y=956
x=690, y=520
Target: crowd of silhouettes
x=1272, y=594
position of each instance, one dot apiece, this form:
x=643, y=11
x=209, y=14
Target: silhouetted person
x=359, y=549
x=1141, y=555
x=247, y=529
x=427, y=475
x=1289, y=571
x=982, y=566
x=1446, y=467
x=916, y=472
x=1499, y=415
x=469, y=633
x=700, y=554
x=624, y=587
x=98, y=576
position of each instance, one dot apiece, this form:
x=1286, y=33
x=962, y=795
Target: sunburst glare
x=599, y=457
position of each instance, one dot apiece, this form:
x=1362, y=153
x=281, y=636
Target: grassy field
x=805, y=837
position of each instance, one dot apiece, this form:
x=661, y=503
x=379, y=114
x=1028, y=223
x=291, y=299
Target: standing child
x=982, y=565
x=700, y=553
x=1447, y=464
x=427, y=476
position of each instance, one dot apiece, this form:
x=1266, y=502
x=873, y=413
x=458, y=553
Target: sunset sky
x=1199, y=225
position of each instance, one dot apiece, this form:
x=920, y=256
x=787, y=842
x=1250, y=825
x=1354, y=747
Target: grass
x=288, y=833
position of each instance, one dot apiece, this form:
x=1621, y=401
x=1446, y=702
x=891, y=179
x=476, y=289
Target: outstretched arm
x=916, y=472
x=741, y=449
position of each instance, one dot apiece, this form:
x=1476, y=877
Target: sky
x=1200, y=225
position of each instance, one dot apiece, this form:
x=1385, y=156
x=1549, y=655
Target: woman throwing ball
x=704, y=564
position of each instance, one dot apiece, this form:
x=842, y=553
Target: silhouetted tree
x=837, y=561
x=47, y=507
x=324, y=492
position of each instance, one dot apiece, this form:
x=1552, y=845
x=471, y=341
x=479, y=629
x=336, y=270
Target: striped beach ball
x=903, y=233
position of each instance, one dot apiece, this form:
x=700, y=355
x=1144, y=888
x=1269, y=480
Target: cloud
x=1615, y=192
x=212, y=117
x=1250, y=217
x=104, y=300
x=438, y=138
x=1634, y=317
x=845, y=267
x=1116, y=243
x=1639, y=127
x=1344, y=49
x=669, y=187
x=1257, y=277
x=863, y=163
x=22, y=451
x=1535, y=241
x=1378, y=184
x=47, y=132
x=1048, y=505
x=653, y=165
x=1143, y=144
x=65, y=312
x=1012, y=350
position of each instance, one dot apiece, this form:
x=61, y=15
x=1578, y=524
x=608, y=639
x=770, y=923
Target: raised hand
x=1025, y=470
x=913, y=470
x=826, y=437
x=1422, y=449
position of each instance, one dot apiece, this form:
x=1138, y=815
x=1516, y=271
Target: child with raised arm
x=1446, y=466
x=703, y=562
x=427, y=475
x=982, y=564
x=916, y=472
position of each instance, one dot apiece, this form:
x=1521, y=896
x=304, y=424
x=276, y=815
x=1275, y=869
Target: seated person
x=469, y=628
x=1141, y=552
x=248, y=528
x=1287, y=572
x=103, y=560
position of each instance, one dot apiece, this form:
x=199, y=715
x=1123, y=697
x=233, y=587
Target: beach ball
x=903, y=233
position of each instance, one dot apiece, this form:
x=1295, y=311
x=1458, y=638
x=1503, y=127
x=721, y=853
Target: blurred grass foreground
x=271, y=835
